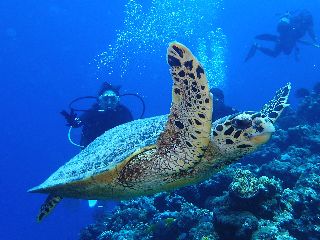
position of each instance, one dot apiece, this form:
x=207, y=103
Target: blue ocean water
x=54, y=51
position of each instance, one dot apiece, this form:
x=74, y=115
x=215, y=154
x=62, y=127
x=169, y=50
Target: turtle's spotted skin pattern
x=242, y=133
x=50, y=203
x=239, y=130
x=274, y=108
x=236, y=135
x=187, y=133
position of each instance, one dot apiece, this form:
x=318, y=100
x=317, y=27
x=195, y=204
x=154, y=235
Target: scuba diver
x=291, y=28
x=220, y=110
x=105, y=114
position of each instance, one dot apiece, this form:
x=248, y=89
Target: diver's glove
x=72, y=119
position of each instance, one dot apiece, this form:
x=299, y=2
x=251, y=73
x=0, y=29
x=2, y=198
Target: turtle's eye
x=241, y=123
x=257, y=122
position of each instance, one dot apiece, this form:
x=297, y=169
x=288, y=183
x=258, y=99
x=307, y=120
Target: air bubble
x=146, y=33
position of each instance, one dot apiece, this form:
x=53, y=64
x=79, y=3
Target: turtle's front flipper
x=182, y=144
x=47, y=207
x=187, y=131
x=274, y=108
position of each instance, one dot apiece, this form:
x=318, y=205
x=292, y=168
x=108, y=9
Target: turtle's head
x=242, y=133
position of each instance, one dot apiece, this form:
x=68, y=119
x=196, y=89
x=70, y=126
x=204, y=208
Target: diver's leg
x=268, y=37
x=297, y=54
x=270, y=52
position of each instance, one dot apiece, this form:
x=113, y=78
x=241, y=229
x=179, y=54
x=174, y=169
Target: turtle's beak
x=261, y=138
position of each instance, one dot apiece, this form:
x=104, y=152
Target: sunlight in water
x=147, y=32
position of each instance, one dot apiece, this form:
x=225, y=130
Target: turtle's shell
x=107, y=151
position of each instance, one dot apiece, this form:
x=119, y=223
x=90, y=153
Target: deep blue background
x=45, y=48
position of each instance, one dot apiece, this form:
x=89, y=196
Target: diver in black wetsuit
x=291, y=29
x=219, y=108
x=105, y=114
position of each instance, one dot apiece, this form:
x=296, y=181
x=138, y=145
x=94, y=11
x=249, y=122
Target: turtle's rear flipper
x=268, y=37
x=47, y=207
x=274, y=108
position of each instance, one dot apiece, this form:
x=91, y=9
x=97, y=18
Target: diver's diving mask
x=109, y=100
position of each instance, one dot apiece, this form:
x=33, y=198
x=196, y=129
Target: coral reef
x=273, y=193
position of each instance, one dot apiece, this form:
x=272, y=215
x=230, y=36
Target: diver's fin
x=251, y=52
x=309, y=43
x=47, y=207
x=267, y=37
x=274, y=108
x=92, y=203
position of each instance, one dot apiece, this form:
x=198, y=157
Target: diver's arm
x=312, y=34
x=72, y=119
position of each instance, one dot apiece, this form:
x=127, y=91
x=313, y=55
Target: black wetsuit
x=95, y=123
x=220, y=111
x=291, y=29
x=289, y=34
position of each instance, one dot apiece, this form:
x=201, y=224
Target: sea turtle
x=165, y=152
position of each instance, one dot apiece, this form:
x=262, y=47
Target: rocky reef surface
x=273, y=193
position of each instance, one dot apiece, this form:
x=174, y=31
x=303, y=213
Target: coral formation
x=271, y=194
